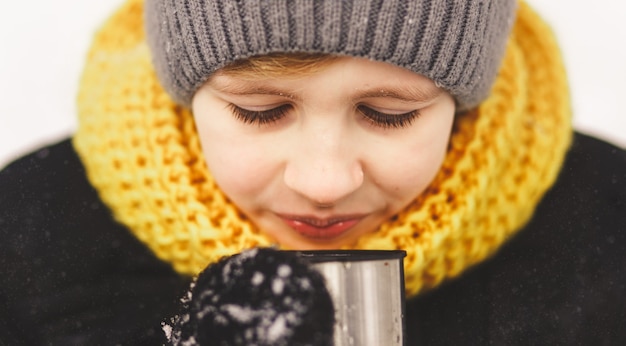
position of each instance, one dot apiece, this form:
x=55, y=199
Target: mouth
x=321, y=229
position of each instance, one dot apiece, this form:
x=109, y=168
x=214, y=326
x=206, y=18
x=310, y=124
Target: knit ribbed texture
x=456, y=43
x=142, y=154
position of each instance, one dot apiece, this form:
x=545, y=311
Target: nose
x=323, y=173
x=323, y=181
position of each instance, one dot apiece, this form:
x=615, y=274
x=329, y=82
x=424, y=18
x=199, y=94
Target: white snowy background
x=43, y=44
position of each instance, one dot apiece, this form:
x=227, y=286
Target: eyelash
x=374, y=117
x=259, y=117
x=388, y=121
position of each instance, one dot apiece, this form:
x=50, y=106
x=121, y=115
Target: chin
x=295, y=241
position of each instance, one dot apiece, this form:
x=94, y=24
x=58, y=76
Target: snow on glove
x=258, y=297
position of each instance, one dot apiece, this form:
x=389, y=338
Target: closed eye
x=263, y=117
x=388, y=121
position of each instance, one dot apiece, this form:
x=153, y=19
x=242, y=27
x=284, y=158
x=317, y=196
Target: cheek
x=407, y=174
x=236, y=169
x=239, y=164
x=411, y=165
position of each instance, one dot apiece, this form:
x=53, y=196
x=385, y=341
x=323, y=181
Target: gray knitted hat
x=457, y=43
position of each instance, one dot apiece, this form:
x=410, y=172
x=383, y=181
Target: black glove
x=258, y=297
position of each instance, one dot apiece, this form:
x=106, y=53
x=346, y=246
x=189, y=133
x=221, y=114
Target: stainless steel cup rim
x=321, y=256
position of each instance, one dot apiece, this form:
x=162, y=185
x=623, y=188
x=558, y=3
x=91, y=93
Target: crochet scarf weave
x=143, y=155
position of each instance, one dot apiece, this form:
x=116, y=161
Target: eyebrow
x=245, y=88
x=406, y=94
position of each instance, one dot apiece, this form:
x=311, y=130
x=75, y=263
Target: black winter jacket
x=71, y=275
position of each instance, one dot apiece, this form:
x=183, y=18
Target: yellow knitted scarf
x=142, y=154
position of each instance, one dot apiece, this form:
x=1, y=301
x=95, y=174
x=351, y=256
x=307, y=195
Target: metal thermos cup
x=367, y=288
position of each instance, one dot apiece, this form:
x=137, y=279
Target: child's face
x=318, y=160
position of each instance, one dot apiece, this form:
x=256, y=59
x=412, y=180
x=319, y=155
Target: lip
x=321, y=228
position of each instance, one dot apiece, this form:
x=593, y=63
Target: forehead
x=363, y=77
x=278, y=65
